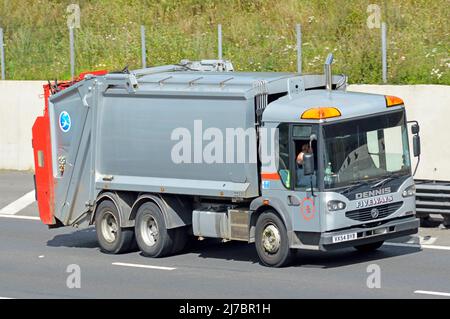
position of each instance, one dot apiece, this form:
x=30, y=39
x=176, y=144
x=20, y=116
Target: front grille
x=365, y=214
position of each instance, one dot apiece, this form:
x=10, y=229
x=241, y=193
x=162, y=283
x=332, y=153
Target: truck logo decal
x=308, y=208
x=374, y=213
x=64, y=121
x=374, y=201
x=266, y=184
x=371, y=193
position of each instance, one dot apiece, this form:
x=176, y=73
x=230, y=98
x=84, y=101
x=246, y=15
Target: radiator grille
x=365, y=214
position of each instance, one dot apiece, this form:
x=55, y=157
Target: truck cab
x=344, y=172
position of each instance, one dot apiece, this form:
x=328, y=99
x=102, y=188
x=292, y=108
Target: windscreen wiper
x=354, y=186
x=382, y=182
x=385, y=180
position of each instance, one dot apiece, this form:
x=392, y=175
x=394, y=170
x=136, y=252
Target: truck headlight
x=409, y=191
x=334, y=205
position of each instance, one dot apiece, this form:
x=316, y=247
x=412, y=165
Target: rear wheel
x=152, y=236
x=271, y=240
x=111, y=237
x=369, y=247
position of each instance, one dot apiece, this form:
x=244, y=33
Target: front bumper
x=392, y=229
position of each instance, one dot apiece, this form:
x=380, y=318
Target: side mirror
x=416, y=145
x=415, y=128
x=308, y=164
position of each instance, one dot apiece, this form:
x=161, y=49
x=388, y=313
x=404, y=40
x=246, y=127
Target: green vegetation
x=259, y=35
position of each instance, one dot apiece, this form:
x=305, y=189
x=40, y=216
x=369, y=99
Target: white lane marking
x=436, y=247
x=402, y=245
x=143, y=266
x=6, y=298
x=427, y=240
x=419, y=246
x=434, y=293
x=19, y=204
x=19, y=217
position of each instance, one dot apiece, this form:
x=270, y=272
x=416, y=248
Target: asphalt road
x=36, y=262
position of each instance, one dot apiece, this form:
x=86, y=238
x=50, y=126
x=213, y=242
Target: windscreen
x=365, y=149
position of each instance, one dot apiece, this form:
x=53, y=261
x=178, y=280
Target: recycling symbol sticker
x=64, y=121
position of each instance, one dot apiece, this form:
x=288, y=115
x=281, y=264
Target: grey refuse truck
x=154, y=156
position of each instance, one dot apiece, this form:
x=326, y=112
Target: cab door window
x=302, y=145
x=283, y=161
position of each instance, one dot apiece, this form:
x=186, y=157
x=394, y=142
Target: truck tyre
x=369, y=247
x=111, y=237
x=180, y=240
x=152, y=236
x=271, y=240
x=446, y=221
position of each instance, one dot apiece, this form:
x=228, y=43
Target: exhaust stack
x=328, y=72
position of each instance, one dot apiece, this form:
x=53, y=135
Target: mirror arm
x=312, y=187
x=417, y=165
x=312, y=138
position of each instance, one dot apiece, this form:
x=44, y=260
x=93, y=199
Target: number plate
x=344, y=237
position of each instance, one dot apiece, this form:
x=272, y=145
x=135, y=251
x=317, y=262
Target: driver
x=302, y=180
x=305, y=149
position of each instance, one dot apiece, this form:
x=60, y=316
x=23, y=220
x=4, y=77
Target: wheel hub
x=271, y=239
x=149, y=231
x=109, y=227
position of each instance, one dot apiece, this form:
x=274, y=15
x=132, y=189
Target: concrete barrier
x=21, y=102
x=430, y=106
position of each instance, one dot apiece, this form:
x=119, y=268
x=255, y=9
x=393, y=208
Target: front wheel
x=271, y=240
x=369, y=247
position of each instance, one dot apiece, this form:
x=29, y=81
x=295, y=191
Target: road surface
x=36, y=262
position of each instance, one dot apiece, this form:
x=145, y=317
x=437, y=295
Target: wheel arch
x=122, y=203
x=174, y=212
x=258, y=207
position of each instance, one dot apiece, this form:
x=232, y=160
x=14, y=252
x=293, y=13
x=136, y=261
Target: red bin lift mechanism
x=42, y=151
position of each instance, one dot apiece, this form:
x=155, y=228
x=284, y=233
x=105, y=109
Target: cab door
x=293, y=198
x=302, y=195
